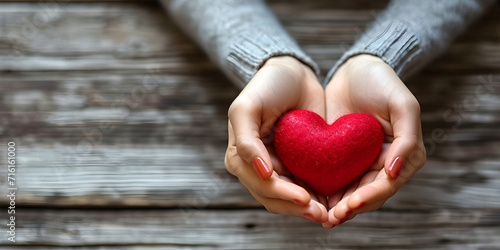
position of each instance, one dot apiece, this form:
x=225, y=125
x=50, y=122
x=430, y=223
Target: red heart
x=327, y=157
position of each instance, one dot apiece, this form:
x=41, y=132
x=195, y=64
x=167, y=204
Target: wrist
x=285, y=61
x=291, y=63
x=353, y=66
x=362, y=59
x=361, y=62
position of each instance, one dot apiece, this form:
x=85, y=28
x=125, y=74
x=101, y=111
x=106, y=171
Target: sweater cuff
x=396, y=44
x=247, y=56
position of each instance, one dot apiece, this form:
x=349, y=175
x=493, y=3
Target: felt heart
x=327, y=157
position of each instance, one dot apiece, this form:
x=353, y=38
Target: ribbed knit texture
x=410, y=33
x=238, y=35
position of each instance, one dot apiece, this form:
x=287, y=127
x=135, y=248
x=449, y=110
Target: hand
x=366, y=84
x=282, y=84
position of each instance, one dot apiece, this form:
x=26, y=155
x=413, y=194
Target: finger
x=274, y=187
x=350, y=189
x=373, y=191
x=312, y=211
x=350, y=217
x=334, y=199
x=277, y=188
x=276, y=162
x=320, y=199
x=370, y=207
x=361, y=209
x=249, y=177
x=407, y=146
x=245, y=119
x=324, y=212
x=323, y=200
x=347, y=206
x=342, y=209
x=379, y=162
x=304, y=185
x=331, y=216
x=328, y=225
x=333, y=220
x=287, y=179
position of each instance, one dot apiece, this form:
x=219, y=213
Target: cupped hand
x=282, y=84
x=366, y=84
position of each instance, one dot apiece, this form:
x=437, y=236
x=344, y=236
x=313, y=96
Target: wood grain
x=193, y=175
x=117, y=114
x=67, y=86
x=256, y=229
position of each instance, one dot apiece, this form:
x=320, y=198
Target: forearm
x=410, y=33
x=238, y=35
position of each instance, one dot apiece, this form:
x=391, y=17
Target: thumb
x=245, y=118
x=406, y=154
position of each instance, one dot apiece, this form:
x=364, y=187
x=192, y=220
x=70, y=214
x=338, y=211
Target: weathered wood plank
x=193, y=175
x=125, y=37
x=254, y=229
x=63, y=108
x=76, y=72
x=57, y=95
x=161, y=175
x=478, y=246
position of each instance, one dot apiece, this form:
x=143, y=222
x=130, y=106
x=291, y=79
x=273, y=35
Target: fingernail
x=396, y=167
x=298, y=202
x=361, y=205
x=261, y=168
x=308, y=216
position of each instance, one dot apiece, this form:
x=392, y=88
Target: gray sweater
x=240, y=35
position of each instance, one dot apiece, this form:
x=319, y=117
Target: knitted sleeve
x=410, y=33
x=238, y=35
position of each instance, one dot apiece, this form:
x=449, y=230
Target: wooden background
x=120, y=126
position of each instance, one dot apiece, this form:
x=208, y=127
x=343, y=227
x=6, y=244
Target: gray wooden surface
x=120, y=126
